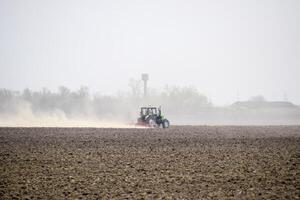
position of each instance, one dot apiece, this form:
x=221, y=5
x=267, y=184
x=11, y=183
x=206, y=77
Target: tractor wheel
x=152, y=123
x=165, y=123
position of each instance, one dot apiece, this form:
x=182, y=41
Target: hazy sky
x=220, y=47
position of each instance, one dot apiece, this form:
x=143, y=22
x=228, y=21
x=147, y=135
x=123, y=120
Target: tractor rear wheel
x=165, y=123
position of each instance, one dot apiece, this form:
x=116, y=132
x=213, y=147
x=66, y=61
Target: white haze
x=24, y=117
x=59, y=120
x=228, y=50
x=69, y=108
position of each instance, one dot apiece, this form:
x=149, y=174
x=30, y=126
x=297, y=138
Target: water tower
x=145, y=78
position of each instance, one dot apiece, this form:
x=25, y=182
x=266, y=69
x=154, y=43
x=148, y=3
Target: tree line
x=81, y=102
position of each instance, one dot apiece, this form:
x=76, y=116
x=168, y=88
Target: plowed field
x=183, y=162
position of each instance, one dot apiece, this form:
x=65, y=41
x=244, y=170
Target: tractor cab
x=149, y=111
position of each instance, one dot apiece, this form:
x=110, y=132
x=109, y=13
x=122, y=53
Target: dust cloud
x=23, y=116
x=59, y=121
x=26, y=118
x=180, y=105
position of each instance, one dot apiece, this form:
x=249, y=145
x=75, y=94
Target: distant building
x=263, y=105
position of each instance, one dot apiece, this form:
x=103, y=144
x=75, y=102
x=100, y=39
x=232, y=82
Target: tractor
x=152, y=117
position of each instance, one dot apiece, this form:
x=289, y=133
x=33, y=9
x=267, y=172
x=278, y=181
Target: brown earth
x=184, y=162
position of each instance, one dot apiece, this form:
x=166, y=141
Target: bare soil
x=183, y=162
